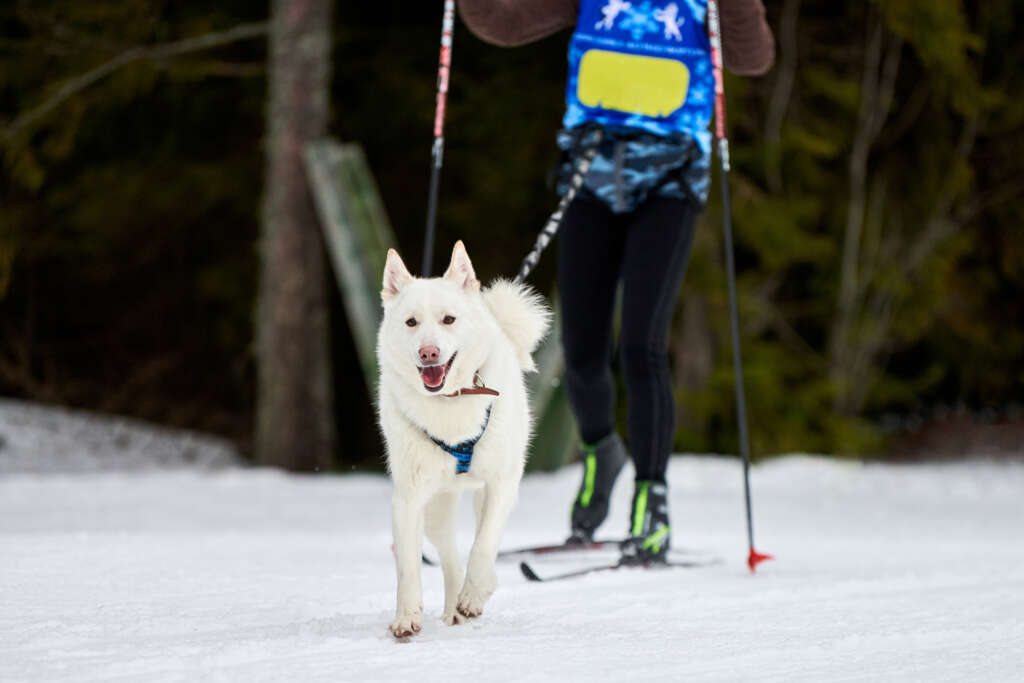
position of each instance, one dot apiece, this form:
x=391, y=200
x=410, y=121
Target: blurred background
x=878, y=179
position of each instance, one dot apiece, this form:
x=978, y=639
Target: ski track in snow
x=883, y=573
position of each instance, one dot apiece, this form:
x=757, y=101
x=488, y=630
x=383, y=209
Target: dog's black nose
x=429, y=354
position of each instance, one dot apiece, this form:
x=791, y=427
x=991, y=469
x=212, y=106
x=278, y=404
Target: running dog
x=453, y=409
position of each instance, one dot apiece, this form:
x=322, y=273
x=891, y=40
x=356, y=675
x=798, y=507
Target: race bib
x=652, y=86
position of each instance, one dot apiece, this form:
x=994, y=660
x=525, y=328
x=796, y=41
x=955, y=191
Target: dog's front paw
x=471, y=600
x=453, y=618
x=406, y=625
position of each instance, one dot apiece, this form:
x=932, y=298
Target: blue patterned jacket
x=640, y=71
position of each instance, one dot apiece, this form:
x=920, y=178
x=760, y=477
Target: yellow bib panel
x=633, y=84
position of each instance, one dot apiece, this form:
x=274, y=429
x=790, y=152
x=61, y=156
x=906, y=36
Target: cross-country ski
x=566, y=548
x=531, y=575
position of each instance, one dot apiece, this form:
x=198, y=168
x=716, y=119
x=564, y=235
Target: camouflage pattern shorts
x=632, y=165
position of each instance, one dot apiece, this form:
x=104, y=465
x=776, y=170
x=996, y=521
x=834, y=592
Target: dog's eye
x=448, y=319
x=411, y=322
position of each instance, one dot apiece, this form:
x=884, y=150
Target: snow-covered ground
x=41, y=439
x=883, y=573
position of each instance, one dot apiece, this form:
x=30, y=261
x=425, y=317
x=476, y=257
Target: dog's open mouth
x=433, y=376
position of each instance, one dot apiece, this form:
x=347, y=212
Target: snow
x=883, y=573
x=35, y=438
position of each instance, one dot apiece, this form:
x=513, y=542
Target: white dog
x=454, y=413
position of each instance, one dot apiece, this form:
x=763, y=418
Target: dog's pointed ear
x=396, y=276
x=460, y=270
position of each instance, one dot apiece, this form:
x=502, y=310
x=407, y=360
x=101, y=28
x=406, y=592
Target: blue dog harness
x=463, y=452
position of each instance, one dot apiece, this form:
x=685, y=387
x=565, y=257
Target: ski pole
x=437, y=151
x=714, y=34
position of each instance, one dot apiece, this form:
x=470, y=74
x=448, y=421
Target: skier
x=643, y=97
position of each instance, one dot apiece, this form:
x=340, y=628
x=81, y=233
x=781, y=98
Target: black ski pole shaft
x=437, y=151
x=737, y=355
x=714, y=34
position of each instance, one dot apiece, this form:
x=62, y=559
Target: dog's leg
x=492, y=513
x=440, y=527
x=407, y=526
x=479, y=496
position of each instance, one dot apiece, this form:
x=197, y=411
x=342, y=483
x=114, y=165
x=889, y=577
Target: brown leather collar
x=478, y=388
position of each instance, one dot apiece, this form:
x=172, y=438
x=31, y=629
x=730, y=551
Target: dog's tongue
x=433, y=376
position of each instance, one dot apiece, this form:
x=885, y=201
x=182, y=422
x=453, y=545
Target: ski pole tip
x=755, y=558
x=528, y=572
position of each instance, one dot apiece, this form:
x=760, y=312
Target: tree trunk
x=295, y=426
x=877, y=86
x=781, y=92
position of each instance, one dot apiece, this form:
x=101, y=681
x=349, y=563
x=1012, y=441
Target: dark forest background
x=878, y=178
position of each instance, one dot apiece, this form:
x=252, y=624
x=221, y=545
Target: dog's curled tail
x=522, y=314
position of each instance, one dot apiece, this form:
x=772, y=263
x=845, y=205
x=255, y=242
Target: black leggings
x=648, y=251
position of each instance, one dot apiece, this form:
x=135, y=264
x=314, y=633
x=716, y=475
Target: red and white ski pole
x=714, y=34
x=437, y=151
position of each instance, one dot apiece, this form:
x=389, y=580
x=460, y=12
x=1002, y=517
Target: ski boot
x=602, y=463
x=649, y=533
